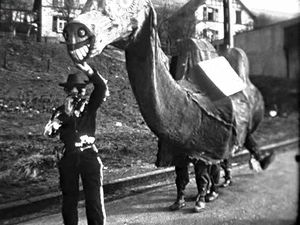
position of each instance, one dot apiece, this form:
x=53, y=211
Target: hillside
x=29, y=77
x=28, y=94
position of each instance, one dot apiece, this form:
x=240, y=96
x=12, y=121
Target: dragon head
x=103, y=22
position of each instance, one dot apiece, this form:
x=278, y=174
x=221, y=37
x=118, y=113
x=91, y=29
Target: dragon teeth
x=85, y=49
x=80, y=53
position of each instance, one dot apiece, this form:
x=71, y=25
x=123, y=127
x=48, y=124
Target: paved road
x=266, y=198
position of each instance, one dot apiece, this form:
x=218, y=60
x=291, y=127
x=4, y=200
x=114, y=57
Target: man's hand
x=51, y=128
x=86, y=68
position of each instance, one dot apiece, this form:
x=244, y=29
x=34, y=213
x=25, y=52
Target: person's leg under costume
x=203, y=181
x=182, y=179
x=214, y=172
x=226, y=166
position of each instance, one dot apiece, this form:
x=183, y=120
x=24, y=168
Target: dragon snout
x=79, y=40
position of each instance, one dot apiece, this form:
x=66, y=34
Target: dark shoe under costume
x=211, y=196
x=267, y=160
x=177, y=205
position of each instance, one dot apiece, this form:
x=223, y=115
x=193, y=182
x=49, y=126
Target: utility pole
x=228, y=34
x=37, y=7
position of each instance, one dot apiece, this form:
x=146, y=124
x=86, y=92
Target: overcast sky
x=288, y=6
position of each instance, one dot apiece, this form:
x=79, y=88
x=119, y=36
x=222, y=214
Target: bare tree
x=66, y=8
x=163, y=14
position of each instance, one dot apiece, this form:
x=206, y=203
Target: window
x=210, y=34
x=216, y=17
x=58, y=24
x=61, y=25
x=204, y=13
x=18, y=16
x=210, y=14
x=54, y=24
x=238, y=17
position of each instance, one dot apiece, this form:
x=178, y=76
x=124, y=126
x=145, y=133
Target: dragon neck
x=161, y=100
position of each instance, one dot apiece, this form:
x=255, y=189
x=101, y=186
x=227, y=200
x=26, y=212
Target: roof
x=246, y=8
x=266, y=16
x=190, y=6
x=284, y=24
x=193, y=5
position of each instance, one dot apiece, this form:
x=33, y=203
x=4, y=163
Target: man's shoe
x=200, y=206
x=267, y=160
x=177, y=205
x=211, y=196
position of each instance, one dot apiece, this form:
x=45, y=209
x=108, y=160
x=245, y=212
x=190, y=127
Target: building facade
x=204, y=19
x=210, y=19
x=46, y=18
x=17, y=17
x=273, y=50
x=54, y=14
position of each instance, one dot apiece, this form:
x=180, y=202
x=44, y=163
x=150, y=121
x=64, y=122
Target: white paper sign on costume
x=219, y=71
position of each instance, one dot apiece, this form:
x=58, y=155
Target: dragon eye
x=81, y=32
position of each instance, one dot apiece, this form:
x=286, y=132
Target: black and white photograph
x=149, y=112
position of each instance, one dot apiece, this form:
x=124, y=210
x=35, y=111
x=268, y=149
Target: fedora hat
x=75, y=79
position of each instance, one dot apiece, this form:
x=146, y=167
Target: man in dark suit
x=75, y=122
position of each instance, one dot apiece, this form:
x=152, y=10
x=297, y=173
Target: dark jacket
x=85, y=124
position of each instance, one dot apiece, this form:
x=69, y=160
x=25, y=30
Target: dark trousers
x=89, y=166
x=207, y=177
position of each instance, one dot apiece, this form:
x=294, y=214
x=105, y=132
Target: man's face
x=75, y=91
